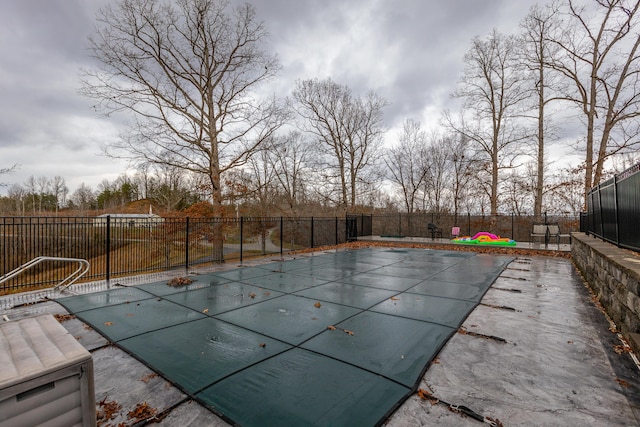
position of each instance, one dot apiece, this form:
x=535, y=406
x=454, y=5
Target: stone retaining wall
x=614, y=275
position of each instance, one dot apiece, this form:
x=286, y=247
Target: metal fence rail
x=516, y=227
x=613, y=210
x=121, y=248
x=124, y=248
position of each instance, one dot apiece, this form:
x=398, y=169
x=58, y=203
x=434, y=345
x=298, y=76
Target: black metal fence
x=613, y=210
x=119, y=248
x=516, y=227
x=123, y=248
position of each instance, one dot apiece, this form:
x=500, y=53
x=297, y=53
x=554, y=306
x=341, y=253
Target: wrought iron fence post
x=591, y=223
x=512, y=227
x=468, y=223
x=602, y=233
x=615, y=208
x=312, y=232
x=241, y=237
x=281, y=235
x=336, y=230
x=108, y=249
x=186, y=246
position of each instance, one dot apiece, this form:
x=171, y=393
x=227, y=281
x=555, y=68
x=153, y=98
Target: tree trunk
x=588, y=167
x=537, y=208
x=217, y=253
x=494, y=179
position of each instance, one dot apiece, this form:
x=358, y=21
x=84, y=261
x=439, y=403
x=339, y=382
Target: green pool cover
x=338, y=339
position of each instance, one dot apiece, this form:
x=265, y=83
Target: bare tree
x=43, y=185
x=289, y=157
x=18, y=194
x=439, y=164
x=261, y=180
x=492, y=89
x=31, y=186
x=143, y=180
x=187, y=70
x=7, y=170
x=518, y=194
x=349, y=129
x=463, y=172
x=171, y=188
x=565, y=188
x=536, y=52
x=59, y=190
x=405, y=162
x=83, y=198
x=600, y=58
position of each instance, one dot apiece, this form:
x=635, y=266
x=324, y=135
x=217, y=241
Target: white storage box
x=46, y=376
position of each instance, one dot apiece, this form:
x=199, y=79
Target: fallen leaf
x=141, y=412
x=63, y=317
x=107, y=411
x=263, y=345
x=426, y=395
x=435, y=361
x=267, y=293
x=621, y=349
x=252, y=295
x=623, y=383
x=180, y=281
x=108, y=323
x=331, y=328
x=394, y=299
x=314, y=318
x=317, y=305
x=148, y=377
x=205, y=311
x=348, y=332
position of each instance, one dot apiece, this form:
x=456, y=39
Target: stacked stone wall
x=614, y=275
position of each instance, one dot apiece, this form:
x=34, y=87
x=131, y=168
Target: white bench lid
x=36, y=346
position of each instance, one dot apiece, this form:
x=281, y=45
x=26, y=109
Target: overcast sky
x=408, y=51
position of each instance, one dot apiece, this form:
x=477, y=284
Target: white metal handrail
x=83, y=268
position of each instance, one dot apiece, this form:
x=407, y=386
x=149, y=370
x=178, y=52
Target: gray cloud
x=409, y=51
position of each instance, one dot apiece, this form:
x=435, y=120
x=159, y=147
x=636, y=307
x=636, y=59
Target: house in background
x=129, y=220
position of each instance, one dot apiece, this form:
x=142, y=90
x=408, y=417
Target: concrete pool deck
x=536, y=351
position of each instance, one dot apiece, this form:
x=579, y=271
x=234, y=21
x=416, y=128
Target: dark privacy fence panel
x=613, y=210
